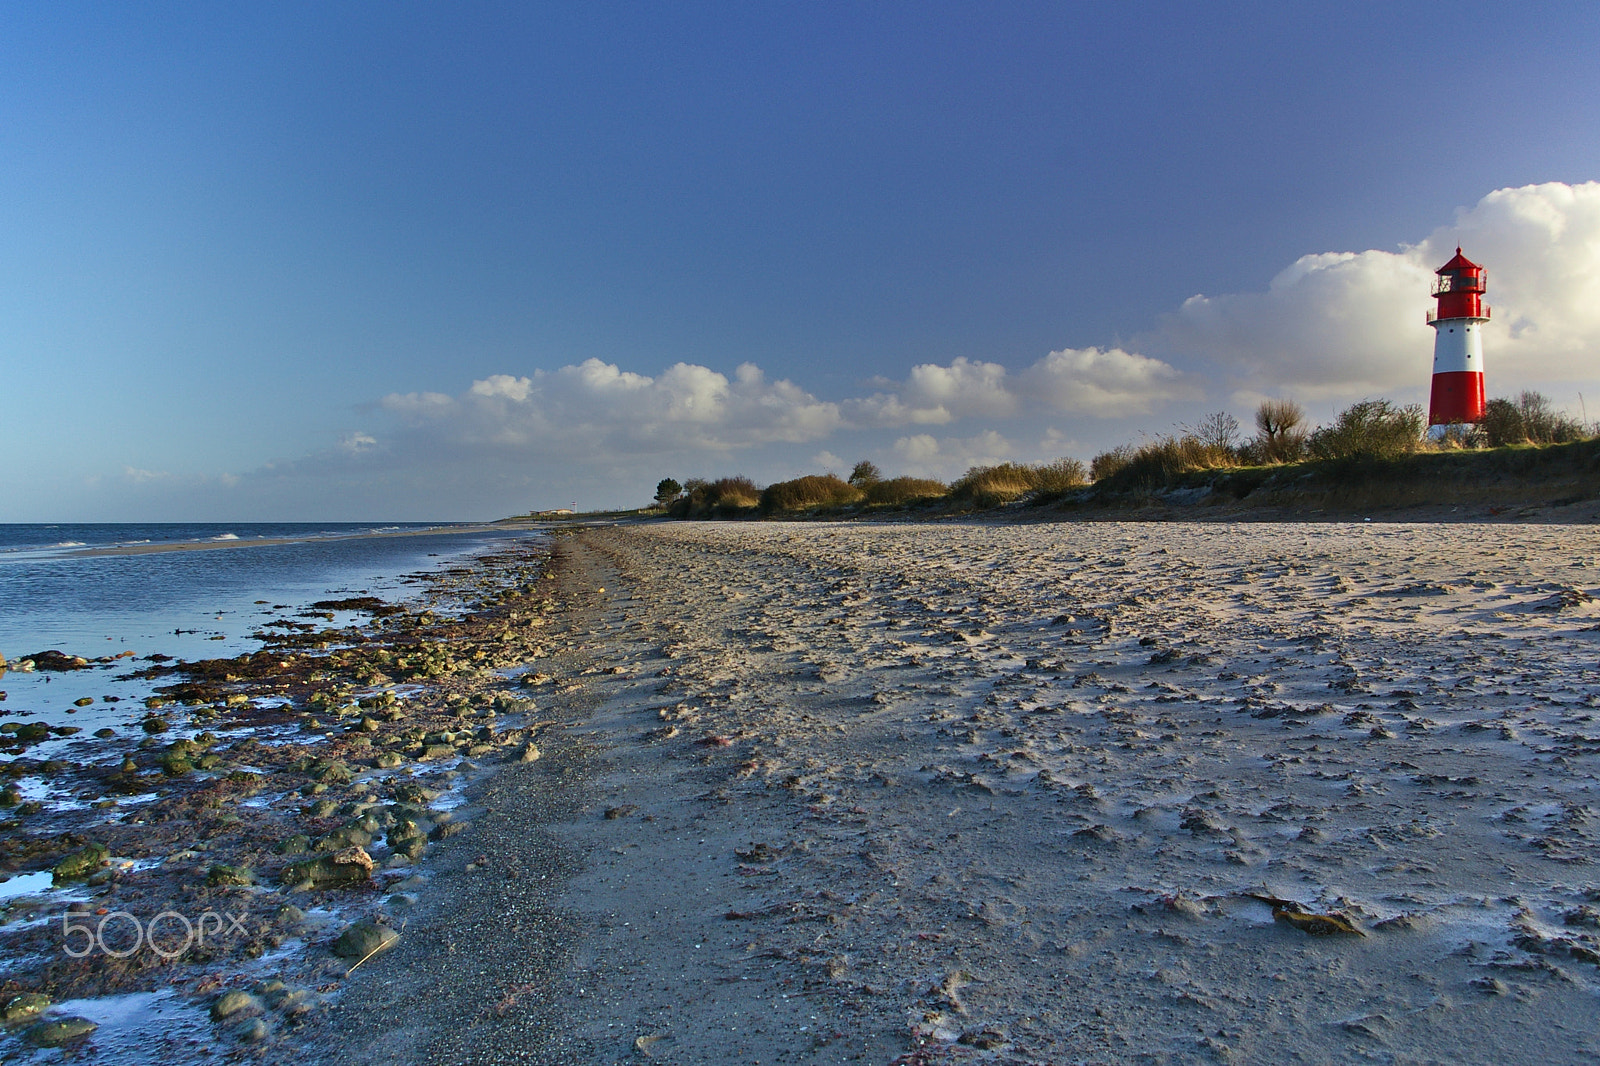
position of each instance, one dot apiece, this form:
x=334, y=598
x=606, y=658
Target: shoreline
x=340, y=754
x=259, y=542
x=1001, y=792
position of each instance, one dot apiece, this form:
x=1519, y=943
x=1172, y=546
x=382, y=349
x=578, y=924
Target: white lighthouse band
x=1458, y=345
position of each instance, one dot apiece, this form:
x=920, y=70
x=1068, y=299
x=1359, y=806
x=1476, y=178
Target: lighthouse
x=1458, y=342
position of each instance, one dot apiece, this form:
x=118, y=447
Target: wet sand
x=1069, y=793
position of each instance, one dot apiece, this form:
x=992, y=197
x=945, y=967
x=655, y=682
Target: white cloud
x=596, y=408
x=828, y=463
x=1345, y=324
x=922, y=455
x=1106, y=383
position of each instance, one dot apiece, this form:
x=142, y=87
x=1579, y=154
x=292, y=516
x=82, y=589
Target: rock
x=58, y=1032
x=350, y=866
x=530, y=753
x=10, y=796
x=298, y=844
x=55, y=660
x=84, y=701
x=363, y=939
x=25, y=1007
x=235, y=1004
x=388, y=760
x=222, y=874
x=253, y=1031
x=271, y=992
x=81, y=863
x=291, y=916
x=34, y=732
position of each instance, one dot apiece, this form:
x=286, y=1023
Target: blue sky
x=455, y=261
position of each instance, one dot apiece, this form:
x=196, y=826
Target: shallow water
x=57, y=592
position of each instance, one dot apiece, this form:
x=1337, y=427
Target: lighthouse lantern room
x=1457, y=395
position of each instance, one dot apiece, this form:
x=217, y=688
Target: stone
x=58, y=1032
x=364, y=939
x=55, y=660
x=252, y=1031
x=25, y=1007
x=81, y=863
x=298, y=844
x=349, y=866
x=222, y=875
x=235, y=1004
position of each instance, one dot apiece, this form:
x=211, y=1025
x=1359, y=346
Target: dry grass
x=902, y=491
x=990, y=486
x=810, y=493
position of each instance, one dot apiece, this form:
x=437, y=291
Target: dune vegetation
x=1373, y=453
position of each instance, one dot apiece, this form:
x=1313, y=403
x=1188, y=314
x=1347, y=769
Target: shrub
x=1109, y=464
x=900, y=491
x=1528, y=419
x=990, y=486
x=1160, y=461
x=808, y=494
x=726, y=497
x=1369, y=430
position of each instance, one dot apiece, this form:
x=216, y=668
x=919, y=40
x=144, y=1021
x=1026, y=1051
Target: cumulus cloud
x=923, y=455
x=1104, y=382
x=1344, y=324
x=1107, y=382
x=596, y=407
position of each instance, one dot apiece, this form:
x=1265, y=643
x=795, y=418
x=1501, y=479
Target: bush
x=724, y=498
x=1159, y=462
x=1109, y=464
x=899, y=491
x=1527, y=420
x=1370, y=430
x=1059, y=475
x=990, y=486
x=808, y=494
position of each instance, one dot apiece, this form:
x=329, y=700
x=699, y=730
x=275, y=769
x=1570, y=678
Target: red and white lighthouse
x=1458, y=342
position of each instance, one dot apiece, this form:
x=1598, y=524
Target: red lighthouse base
x=1457, y=397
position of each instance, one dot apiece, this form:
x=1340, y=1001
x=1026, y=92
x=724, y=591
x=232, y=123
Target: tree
x=865, y=473
x=1282, y=436
x=667, y=490
x=1218, y=430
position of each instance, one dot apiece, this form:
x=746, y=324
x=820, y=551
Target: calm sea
x=58, y=592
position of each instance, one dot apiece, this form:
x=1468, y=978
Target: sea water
x=103, y=589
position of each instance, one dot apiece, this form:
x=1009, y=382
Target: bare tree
x=1218, y=430
x=1282, y=434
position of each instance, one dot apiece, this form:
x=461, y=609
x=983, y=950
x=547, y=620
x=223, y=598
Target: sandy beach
x=1030, y=794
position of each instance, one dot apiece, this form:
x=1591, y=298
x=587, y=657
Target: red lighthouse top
x=1460, y=289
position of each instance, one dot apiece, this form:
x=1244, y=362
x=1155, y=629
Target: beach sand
x=1076, y=793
